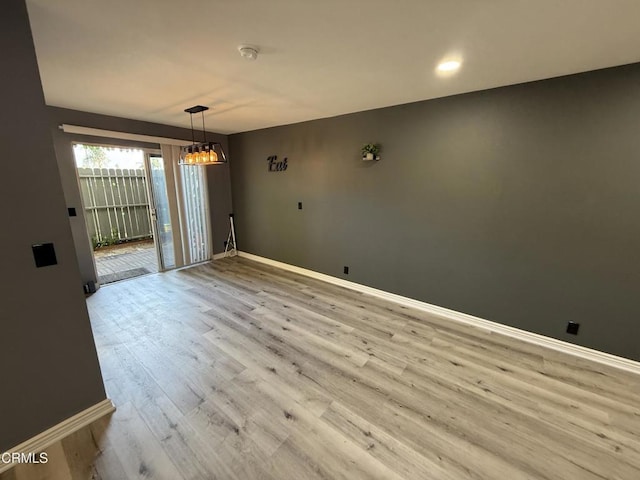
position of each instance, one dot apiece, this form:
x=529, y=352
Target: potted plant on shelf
x=370, y=151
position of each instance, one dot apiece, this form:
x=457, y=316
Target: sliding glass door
x=139, y=205
x=180, y=210
x=161, y=212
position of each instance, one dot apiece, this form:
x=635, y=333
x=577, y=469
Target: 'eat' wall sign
x=275, y=165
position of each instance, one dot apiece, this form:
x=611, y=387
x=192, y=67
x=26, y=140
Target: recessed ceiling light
x=449, y=66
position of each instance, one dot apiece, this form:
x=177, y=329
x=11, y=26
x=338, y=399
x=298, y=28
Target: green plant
x=99, y=241
x=113, y=238
x=372, y=148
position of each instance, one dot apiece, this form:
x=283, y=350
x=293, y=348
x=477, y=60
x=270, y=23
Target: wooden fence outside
x=116, y=204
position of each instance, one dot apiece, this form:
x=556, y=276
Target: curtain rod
x=97, y=132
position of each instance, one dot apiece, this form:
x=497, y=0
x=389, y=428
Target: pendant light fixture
x=205, y=153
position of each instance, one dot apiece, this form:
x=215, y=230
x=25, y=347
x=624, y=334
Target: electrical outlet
x=573, y=328
x=346, y=270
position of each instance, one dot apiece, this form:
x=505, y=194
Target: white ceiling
x=151, y=59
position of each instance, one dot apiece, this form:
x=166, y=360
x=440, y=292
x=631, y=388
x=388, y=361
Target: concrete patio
x=128, y=260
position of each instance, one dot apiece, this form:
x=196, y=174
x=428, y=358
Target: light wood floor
x=235, y=370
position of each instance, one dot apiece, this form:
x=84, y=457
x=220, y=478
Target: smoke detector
x=248, y=51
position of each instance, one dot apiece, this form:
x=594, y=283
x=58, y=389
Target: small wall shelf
x=370, y=152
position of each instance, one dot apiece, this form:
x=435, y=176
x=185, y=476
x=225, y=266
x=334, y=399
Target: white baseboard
x=218, y=256
x=60, y=431
x=534, y=338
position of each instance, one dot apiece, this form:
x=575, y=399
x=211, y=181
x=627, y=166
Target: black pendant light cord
x=193, y=136
x=204, y=132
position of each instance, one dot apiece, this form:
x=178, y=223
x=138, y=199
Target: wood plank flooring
x=235, y=370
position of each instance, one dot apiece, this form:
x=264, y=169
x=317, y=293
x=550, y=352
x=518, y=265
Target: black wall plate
x=44, y=254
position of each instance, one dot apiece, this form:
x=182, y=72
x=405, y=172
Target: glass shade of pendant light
x=205, y=153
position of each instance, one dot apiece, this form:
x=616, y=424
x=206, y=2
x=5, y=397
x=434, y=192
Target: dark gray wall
x=49, y=364
x=518, y=205
x=218, y=176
